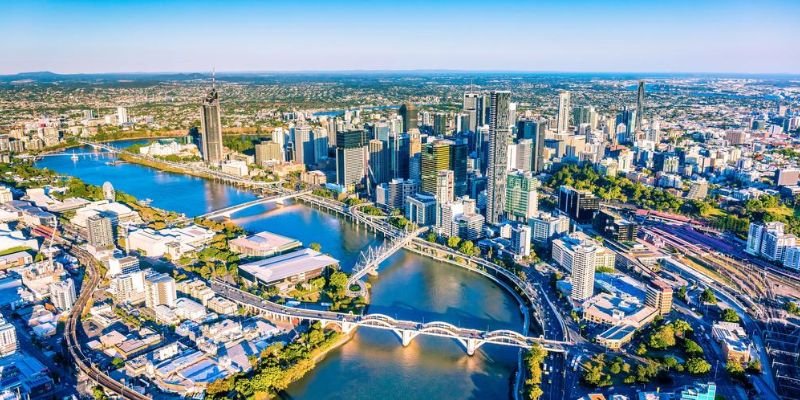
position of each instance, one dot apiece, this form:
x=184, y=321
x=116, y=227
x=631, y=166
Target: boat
x=74, y=157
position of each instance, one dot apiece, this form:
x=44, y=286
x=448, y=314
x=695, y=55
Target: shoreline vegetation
x=279, y=365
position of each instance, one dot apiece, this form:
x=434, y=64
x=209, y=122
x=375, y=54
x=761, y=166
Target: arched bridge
x=471, y=339
x=227, y=211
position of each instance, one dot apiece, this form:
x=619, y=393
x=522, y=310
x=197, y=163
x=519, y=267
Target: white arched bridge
x=279, y=197
x=471, y=339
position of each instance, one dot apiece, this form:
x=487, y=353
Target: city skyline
x=669, y=37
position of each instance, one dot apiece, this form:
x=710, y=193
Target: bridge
x=374, y=256
x=471, y=339
x=227, y=211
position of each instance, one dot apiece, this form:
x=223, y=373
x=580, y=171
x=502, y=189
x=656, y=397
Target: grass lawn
x=13, y=250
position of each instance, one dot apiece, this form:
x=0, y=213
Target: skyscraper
x=211, y=128
x=640, y=105
x=62, y=294
x=471, y=108
x=409, y=113
x=378, y=162
x=459, y=151
x=101, y=235
x=435, y=158
x=445, y=185
x=122, y=115
x=159, y=289
x=563, y=112
x=522, y=200
x=303, y=145
x=351, y=159
x=399, y=148
x=499, y=131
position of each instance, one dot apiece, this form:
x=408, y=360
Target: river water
x=373, y=365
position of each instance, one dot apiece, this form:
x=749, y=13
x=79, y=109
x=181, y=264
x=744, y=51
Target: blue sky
x=633, y=36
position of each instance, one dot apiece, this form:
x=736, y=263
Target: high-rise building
x=769, y=240
x=392, y=195
x=524, y=155
x=409, y=113
x=62, y=294
x=351, y=158
x=499, y=132
x=101, y=234
x=8, y=338
x=378, y=162
x=440, y=127
x=211, y=128
x=122, y=115
x=583, y=261
x=628, y=118
x=421, y=209
x=399, y=153
x=613, y=226
x=547, y=226
x=459, y=152
x=658, y=294
x=640, y=105
x=579, y=205
x=303, y=145
x=159, y=289
x=522, y=201
x=563, y=251
x=435, y=158
x=521, y=240
x=129, y=287
x=534, y=130
x=563, y=112
x=471, y=109
x=266, y=152
x=445, y=187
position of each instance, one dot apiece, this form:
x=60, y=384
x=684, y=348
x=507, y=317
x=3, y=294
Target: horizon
x=675, y=36
x=401, y=71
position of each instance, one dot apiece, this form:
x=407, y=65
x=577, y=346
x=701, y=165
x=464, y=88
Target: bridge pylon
x=406, y=336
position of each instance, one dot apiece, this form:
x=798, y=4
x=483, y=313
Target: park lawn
x=781, y=210
x=13, y=250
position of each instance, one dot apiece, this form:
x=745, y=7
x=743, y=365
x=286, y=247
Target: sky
x=750, y=36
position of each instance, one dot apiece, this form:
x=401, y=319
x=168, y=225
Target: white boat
x=74, y=157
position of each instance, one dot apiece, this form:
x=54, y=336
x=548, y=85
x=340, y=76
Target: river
x=373, y=364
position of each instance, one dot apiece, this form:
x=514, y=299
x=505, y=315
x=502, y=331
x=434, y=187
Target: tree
x=728, y=315
x=453, y=241
x=708, y=297
x=692, y=348
x=431, y=237
x=681, y=327
x=98, y=393
x=792, y=308
x=663, y=338
x=754, y=367
x=735, y=369
x=315, y=246
x=117, y=363
x=338, y=283
x=682, y=293
x=670, y=362
x=535, y=393
x=697, y=366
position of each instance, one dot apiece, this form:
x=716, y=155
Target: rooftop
x=280, y=267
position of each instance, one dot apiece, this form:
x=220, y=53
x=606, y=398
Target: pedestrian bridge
x=470, y=339
x=277, y=198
